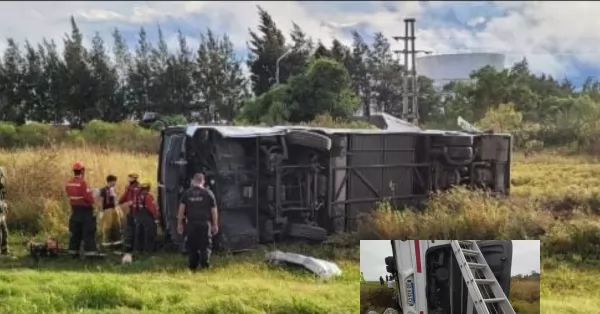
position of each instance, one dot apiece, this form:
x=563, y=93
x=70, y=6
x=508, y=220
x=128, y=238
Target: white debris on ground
x=324, y=269
x=387, y=311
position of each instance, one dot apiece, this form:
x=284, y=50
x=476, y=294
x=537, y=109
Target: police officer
x=82, y=223
x=199, y=208
x=145, y=213
x=128, y=198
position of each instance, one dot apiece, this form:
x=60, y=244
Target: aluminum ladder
x=485, y=293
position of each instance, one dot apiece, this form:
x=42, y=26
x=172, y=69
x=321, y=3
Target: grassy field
x=241, y=283
x=554, y=198
x=158, y=284
x=524, y=296
x=570, y=288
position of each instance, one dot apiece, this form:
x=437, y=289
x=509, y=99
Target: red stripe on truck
x=418, y=254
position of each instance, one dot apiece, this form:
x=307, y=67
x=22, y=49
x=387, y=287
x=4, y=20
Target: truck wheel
x=266, y=234
x=452, y=140
x=306, y=232
x=309, y=139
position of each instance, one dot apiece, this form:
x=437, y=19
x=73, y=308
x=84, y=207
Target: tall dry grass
x=37, y=177
x=554, y=197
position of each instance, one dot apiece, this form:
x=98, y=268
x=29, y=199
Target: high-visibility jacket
x=78, y=192
x=130, y=194
x=145, y=201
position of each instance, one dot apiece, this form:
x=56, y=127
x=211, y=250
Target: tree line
x=38, y=82
x=206, y=83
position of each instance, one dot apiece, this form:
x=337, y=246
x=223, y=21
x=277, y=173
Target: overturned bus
x=297, y=182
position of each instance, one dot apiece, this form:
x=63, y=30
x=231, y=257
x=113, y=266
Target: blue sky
x=558, y=38
x=526, y=257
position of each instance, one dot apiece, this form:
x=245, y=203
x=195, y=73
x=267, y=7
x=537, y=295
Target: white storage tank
x=445, y=68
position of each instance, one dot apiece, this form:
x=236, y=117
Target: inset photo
x=450, y=276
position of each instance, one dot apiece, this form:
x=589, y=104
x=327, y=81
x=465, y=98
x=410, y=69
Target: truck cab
x=427, y=277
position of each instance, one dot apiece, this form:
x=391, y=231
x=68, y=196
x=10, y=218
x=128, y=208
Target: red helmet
x=78, y=165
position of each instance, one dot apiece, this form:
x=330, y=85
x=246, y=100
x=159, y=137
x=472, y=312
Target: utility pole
x=410, y=90
x=277, y=64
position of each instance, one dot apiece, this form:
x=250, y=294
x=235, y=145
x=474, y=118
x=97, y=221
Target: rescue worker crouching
x=3, y=213
x=127, y=198
x=145, y=214
x=82, y=223
x=110, y=217
x=199, y=208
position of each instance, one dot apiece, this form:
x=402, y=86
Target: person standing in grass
x=110, y=217
x=362, y=277
x=3, y=213
x=82, y=223
x=127, y=199
x=145, y=213
x=199, y=208
x=381, y=280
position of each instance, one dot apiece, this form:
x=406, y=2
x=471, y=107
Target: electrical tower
x=410, y=89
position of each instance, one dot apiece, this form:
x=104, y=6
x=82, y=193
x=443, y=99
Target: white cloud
x=550, y=34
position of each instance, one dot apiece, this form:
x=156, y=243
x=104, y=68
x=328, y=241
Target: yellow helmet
x=145, y=184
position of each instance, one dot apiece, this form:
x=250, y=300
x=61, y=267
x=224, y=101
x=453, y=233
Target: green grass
x=240, y=283
x=570, y=287
x=376, y=298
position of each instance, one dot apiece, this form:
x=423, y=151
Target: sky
x=558, y=38
x=526, y=257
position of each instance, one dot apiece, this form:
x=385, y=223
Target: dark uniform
x=145, y=214
x=3, y=212
x=130, y=195
x=82, y=223
x=198, y=212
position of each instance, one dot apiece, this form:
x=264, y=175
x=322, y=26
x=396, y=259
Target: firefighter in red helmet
x=128, y=197
x=82, y=223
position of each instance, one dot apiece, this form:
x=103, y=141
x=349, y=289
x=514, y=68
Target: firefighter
x=3, y=213
x=145, y=213
x=82, y=223
x=110, y=217
x=199, y=208
x=127, y=199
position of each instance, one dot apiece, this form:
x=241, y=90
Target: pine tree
x=359, y=72
x=265, y=49
x=123, y=66
x=105, y=77
x=183, y=85
x=162, y=70
x=140, y=77
x=297, y=61
x=12, y=105
x=79, y=86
